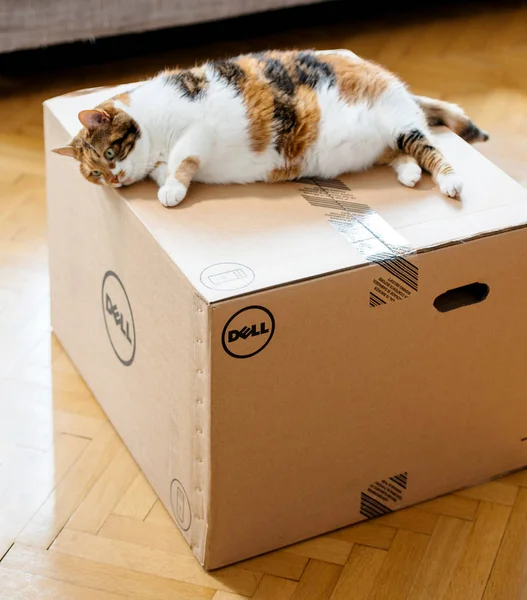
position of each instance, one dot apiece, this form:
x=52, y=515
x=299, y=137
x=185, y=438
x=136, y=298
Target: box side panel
x=340, y=410
x=136, y=331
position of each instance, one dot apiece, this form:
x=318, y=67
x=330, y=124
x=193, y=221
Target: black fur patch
x=473, y=133
x=405, y=140
x=279, y=77
x=123, y=144
x=192, y=85
x=435, y=121
x=129, y=142
x=285, y=120
x=310, y=71
x=230, y=71
x=434, y=116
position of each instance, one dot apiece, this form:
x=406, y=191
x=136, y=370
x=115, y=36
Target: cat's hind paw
x=409, y=174
x=450, y=184
x=172, y=193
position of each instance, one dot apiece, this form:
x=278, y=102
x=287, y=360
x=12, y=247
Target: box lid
x=234, y=240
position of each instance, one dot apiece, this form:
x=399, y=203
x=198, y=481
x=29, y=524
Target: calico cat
x=273, y=116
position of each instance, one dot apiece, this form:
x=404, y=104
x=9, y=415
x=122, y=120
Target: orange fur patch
x=285, y=174
x=124, y=98
x=432, y=161
x=186, y=170
x=259, y=103
x=286, y=58
x=388, y=156
x=306, y=131
x=425, y=153
x=263, y=100
x=446, y=169
x=359, y=80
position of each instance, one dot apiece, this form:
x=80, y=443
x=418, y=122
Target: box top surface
x=234, y=240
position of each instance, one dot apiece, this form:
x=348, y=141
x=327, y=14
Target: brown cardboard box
x=280, y=359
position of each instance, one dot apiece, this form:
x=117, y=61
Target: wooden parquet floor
x=79, y=521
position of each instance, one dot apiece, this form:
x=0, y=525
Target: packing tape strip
x=371, y=235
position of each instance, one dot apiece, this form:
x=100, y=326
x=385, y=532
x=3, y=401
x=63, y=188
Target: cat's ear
x=69, y=150
x=91, y=119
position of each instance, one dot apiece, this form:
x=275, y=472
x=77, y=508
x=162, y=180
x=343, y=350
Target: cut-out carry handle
x=462, y=296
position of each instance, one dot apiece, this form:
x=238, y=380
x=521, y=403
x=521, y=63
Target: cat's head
x=111, y=148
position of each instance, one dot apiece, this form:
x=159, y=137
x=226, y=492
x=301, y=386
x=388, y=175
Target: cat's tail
x=452, y=116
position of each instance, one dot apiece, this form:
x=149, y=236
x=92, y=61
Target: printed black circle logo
x=180, y=505
x=227, y=277
x=118, y=318
x=248, y=332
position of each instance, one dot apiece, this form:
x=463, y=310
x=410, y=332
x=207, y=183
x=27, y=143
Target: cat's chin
x=131, y=176
x=132, y=180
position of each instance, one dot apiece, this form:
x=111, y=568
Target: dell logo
x=113, y=310
x=118, y=318
x=248, y=332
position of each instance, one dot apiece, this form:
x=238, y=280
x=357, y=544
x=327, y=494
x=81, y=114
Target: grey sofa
x=32, y=23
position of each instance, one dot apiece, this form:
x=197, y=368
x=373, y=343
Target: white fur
x=407, y=169
x=172, y=192
x=450, y=185
x=215, y=129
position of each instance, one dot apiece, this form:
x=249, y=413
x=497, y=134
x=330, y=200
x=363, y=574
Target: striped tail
x=438, y=112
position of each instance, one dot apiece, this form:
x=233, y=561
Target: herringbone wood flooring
x=77, y=518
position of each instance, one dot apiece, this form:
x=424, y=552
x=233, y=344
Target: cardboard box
x=284, y=360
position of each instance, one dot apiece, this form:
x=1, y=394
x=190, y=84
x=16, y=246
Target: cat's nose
x=114, y=179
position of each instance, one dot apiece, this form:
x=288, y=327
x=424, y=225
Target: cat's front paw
x=172, y=193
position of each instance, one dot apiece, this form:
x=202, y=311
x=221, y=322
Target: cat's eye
x=109, y=154
x=96, y=173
